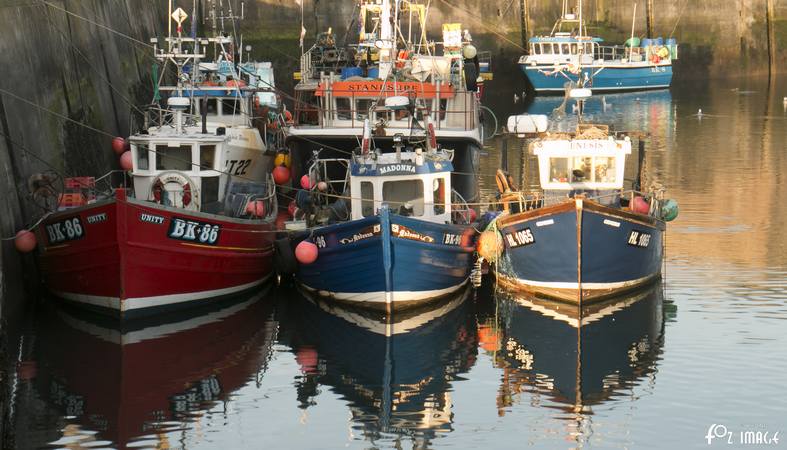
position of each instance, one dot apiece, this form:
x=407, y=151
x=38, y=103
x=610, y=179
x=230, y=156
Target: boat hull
x=579, y=251
x=132, y=258
x=602, y=78
x=389, y=262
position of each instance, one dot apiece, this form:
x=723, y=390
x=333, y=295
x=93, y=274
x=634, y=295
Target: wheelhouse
x=590, y=166
x=409, y=186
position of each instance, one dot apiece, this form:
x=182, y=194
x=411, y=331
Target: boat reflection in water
x=131, y=385
x=578, y=357
x=395, y=375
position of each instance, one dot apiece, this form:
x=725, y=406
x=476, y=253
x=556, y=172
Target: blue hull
x=602, y=78
x=389, y=261
x=580, y=254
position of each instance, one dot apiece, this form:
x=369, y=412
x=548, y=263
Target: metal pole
x=649, y=17
x=524, y=17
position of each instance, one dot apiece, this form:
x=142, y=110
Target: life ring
x=171, y=183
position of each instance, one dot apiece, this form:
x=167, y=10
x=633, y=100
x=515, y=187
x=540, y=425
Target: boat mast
x=386, y=40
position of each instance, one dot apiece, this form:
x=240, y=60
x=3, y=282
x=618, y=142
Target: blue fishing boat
x=581, y=238
x=568, y=55
x=390, y=233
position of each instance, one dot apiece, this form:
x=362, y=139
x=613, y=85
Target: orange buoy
x=126, y=161
x=489, y=246
x=281, y=174
x=118, y=145
x=306, y=252
x=282, y=159
x=256, y=208
x=25, y=241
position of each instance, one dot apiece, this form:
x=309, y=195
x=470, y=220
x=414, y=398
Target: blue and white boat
x=569, y=55
x=395, y=234
x=582, y=238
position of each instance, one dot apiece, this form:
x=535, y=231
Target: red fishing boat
x=196, y=221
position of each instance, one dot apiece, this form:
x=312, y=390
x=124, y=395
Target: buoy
x=473, y=215
x=669, y=210
x=282, y=159
x=306, y=252
x=119, y=145
x=256, y=208
x=281, y=174
x=291, y=208
x=322, y=186
x=489, y=246
x=640, y=205
x=306, y=182
x=25, y=241
x=126, y=162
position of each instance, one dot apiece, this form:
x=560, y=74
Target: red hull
x=132, y=257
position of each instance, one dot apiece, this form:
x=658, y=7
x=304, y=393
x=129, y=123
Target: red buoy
x=306, y=183
x=256, y=208
x=118, y=145
x=306, y=252
x=640, y=205
x=291, y=208
x=126, y=161
x=25, y=241
x=472, y=215
x=281, y=174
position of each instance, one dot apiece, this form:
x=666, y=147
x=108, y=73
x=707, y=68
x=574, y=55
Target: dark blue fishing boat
x=582, y=238
x=389, y=233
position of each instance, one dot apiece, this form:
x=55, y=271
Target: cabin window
x=306, y=108
x=582, y=169
x=173, y=158
x=367, y=198
x=604, y=169
x=536, y=49
x=211, y=106
x=564, y=48
x=143, y=162
x=400, y=193
x=556, y=48
x=589, y=48
x=207, y=157
x=558, y=170
x=547, y=48
x=343, y=111
x=209, y=196
x=230, y=106
x=362, y=108
x=573, y=49
x=438, y=194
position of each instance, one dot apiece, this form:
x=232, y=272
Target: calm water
x=483, y=369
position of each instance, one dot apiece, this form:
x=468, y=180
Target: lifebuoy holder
x=174, y=182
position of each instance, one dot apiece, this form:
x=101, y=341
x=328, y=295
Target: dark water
x=483, y=369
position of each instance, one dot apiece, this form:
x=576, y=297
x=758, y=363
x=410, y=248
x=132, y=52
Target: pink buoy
x=306, y=183
x=25, y=241
x=281, y=174
x=322, y=186
x=640, y=205
x=472, y=215
x=118, y=145
x=306, y=252
x=291, y=208
x=126, y=161
x=256, y=208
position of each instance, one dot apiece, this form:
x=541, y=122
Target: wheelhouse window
x=536, y=48
x=583, y=169
x=143, y=158
x=173, y=158
x=367, y=198
x=604, y=169
x=210, y=105
x=574, y=49
x=556, y=48
x=438, y=194
x=404, y=194
x=558, y=170
x=207, y=157
x=564, y=47
x=362, y=106
x=547, y=48
x=343, y=111
x=230, y=106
